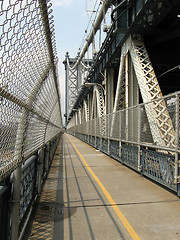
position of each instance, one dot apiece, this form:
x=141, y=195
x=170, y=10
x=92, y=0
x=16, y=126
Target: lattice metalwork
x=29, y=95
x=105, y=145
x=158, y=116
x=160, y=123
x=159, y=166
x=86, y=138
x=75, y=75
x=130, y=155
x=120, y=93
x=150, y=14
x=114, y=148
x=28, y=186
x=72, y=87
x=98, y=107
x=93, y=141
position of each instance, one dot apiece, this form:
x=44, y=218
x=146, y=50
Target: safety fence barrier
x=127, y=137
x=33, y=175
x=29, y=94
x=30, y=114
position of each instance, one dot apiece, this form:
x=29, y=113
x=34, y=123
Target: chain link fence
x=128, y=138
x=29, y=93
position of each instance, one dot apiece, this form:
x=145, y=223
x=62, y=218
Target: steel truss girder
x=98, y=100
x=72, y=87
x=120, y=92
x=85, y=112
x=159, y=120
x=98, y=107
x=79, y=114
x=146, y=16
x=74, y=80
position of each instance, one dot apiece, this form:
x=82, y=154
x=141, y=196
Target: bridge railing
x=33, y=174
x=30, y=114
x=128, y=138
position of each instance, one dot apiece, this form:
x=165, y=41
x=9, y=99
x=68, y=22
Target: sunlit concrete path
x=89, y=195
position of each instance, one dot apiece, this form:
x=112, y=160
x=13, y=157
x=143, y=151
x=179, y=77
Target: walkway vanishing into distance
x=122, y=98
x=88, y=195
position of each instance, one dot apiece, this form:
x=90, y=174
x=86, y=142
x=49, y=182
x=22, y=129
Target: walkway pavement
x=89, y=195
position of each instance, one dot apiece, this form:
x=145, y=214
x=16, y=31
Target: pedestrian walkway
x=89, y=195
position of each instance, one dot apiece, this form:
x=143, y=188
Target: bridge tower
x=74, y=79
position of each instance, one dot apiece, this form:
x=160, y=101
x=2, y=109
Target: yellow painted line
x=124, y=221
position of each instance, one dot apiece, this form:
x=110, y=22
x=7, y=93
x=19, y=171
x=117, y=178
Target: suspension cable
x=97, y=22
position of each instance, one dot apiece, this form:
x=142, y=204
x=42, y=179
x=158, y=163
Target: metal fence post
x=139, y=140
x=48, y=155
x=177, y=176
x=91, y=130
x=51, y=150
x=120, y=143
x=101, y=133
x=108, y=134
x=95, y=133
x=16, y=203
x=88, y=132
x=5, y=210
x=35, y=185
x=177, y=161
x=41, y=156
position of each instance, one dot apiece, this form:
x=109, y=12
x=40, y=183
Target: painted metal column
x=101, y=132
x=120, y=134
x=79, y=77
x=5, y=194
x=158, y=116
x=17, y=174
x=41, y=158
x=95, y=132
x=133, y=100
x=177, y=160
x=48, y=155
x=139, y=139
x=66, y=86
x=127, y=94
x=178, y=181
x=108, y=132
x=109, y=91
x=16, y=203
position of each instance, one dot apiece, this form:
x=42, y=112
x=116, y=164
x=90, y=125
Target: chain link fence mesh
x=29, y=95
x=131, y=125
x=128, y=137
